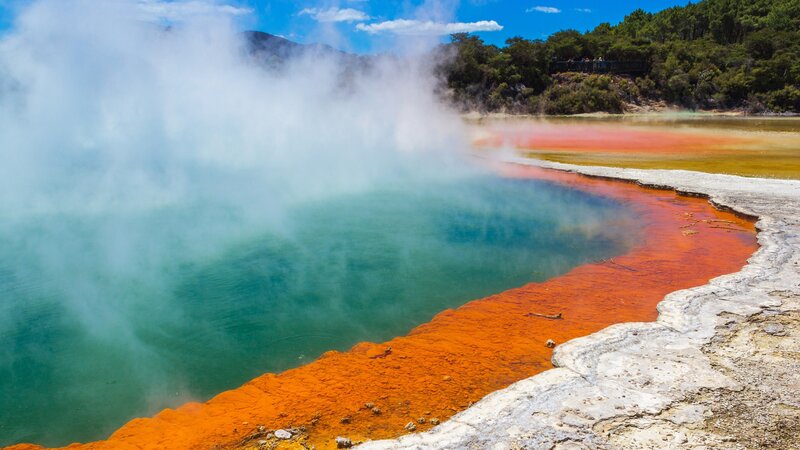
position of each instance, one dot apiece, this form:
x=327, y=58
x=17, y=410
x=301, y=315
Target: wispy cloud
x=544, y=9
x=583, y=10
x=427, y=27
x=334, y=14
x=175, y=11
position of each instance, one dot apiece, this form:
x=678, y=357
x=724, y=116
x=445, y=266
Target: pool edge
x=615, y=387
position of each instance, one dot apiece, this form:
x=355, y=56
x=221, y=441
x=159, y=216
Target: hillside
x=274, y=50
x=715, y=54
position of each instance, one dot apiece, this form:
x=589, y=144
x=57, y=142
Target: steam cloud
x=126, y=145
x=106, y=114
x=99, y=109
x=129, y=148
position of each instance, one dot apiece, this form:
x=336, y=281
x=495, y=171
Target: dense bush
x=712, y=54
x=584, y=93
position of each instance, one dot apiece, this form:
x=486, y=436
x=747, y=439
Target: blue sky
x=375, y=25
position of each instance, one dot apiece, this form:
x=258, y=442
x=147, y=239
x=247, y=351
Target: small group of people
x=586, y=59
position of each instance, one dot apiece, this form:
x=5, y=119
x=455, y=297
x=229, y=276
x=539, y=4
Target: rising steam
x=128, y=146
x=100, y=109
x=104, y=113
x=146, y=165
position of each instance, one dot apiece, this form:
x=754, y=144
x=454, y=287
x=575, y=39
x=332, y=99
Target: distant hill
x=272, y=49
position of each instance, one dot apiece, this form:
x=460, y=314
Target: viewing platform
x=617, y=67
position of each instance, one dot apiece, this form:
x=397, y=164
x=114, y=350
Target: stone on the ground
x=774, y=329
x=283, y=434
x=343, y=442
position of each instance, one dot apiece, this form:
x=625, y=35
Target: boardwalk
x=621, y=67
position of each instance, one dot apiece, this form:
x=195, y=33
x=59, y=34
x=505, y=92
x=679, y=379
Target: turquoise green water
x=108, y=317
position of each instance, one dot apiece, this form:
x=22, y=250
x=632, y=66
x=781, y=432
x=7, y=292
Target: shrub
x=786, y=99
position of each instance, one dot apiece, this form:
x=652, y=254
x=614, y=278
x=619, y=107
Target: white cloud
x=174, y=11
x=583, y=10
x=334, y=14
x=428, y=28
x=544, y=9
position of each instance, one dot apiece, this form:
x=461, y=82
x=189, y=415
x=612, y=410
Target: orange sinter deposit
x=374, y=391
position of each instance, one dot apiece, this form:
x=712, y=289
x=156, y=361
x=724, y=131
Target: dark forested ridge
x=715, y=54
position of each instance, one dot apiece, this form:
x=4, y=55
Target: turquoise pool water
x=109, y=316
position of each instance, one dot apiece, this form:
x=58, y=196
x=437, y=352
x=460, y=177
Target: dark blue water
x=116, y=315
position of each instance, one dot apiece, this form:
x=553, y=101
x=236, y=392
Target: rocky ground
x=719, y=369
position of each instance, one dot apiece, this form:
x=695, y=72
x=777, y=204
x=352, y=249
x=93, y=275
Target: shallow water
x=108, y=317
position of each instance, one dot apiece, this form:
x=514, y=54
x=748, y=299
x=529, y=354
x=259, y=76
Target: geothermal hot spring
x=177, y=218
x=110, y=316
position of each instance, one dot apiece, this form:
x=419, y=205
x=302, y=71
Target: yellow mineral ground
x=748, y=147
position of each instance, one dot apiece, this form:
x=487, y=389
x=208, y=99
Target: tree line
x=715, y=54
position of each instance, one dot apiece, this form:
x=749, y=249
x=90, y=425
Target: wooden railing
x=623, y=67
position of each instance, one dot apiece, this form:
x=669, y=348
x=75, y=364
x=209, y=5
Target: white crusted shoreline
x=719, y=368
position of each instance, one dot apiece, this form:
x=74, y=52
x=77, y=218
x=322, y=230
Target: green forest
x=714, y=54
